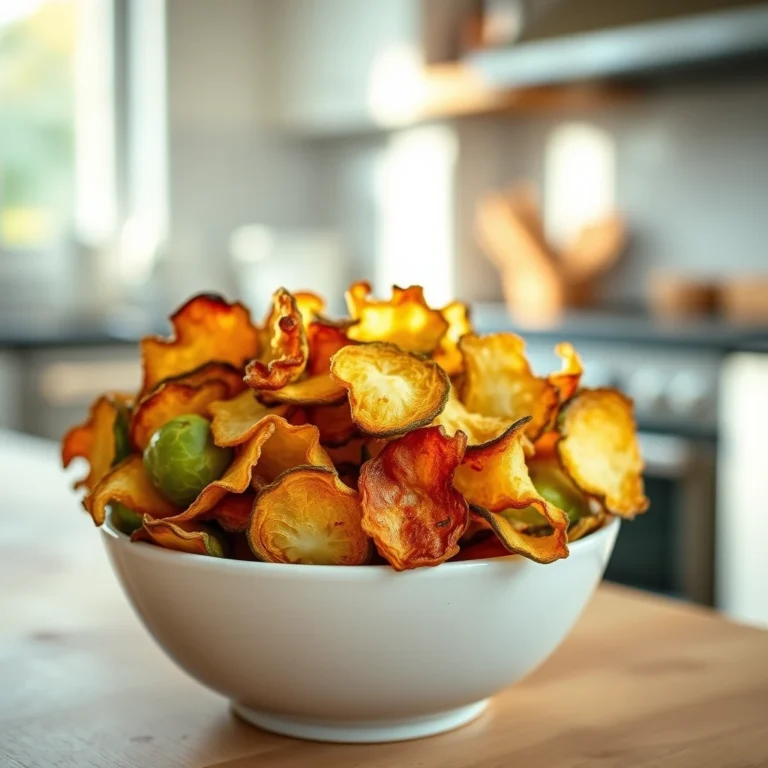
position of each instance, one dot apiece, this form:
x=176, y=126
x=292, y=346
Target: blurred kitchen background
x=577, y=169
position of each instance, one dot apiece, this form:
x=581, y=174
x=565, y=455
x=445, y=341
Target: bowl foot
x=361, y=732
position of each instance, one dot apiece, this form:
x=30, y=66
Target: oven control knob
x=688, y=394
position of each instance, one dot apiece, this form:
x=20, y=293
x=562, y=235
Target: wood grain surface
x=640, y=682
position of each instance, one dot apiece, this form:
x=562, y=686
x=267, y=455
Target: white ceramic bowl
x=358, y=654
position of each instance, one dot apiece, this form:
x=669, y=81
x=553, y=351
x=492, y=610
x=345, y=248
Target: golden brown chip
x=310, y=305
x=309, y=516
x=390, y=391
x=567, y=380
x=231, y=376
x=586, y=525
x=233, y=511
x=239, y=475
x=405, y=319
x=447, y=355
x=94, y=439
x=410, y=508
x=284, y=357
x=235, y=421
x=127, y=484
x=334, y=423
x=478, y=428
x=193, y=538
x=325, y=340
x=168, y=401
x=205, y=329
x=315, y=390
x=289, y=447
x=546, y=446
x=600, y=450
x=498, y=381
x=494, y=478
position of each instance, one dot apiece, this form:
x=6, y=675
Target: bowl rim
x=159, y=554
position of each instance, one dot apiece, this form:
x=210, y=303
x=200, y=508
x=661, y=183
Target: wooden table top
x=640, y=682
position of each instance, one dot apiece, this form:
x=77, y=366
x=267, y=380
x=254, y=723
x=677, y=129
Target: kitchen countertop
x=641, y=681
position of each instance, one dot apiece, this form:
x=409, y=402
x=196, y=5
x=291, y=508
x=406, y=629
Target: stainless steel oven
x=670, y=549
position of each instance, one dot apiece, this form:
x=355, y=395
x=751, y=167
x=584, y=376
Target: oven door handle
x=666, y=455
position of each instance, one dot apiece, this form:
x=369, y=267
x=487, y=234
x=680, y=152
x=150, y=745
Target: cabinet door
x=339, y=63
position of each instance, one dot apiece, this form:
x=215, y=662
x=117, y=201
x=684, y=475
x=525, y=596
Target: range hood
x=564, y=41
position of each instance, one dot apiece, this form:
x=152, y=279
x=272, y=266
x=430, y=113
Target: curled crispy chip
x=410, y=508
x=233, y=511
x=498, y=381
x=95, y=439
x=600, y=451
x=586, y=525
x=309, y=305
x=237, y=479
x=168, y=401
x=334, y=423
x=493, y=478
x=567, y=379
x=405, y=319
x=235, y=421
x=193, y=538
x=288, y=447
x=315, y=390
x=308, y=516
x=207, y=328
x=325, y=340
x=478, y=428
x=284, y=357
x=231, y=376
x=390, y=391
x=127, y=484
x=447, y=355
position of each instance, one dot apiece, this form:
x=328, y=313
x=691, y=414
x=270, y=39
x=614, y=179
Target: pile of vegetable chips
x=395, y=435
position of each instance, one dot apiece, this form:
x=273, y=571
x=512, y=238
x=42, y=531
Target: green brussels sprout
x=124, y=519
x=181, y=459
x=120, y=430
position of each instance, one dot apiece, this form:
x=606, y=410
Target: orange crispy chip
x=188, y=537
x=284, y=357
x=315, y=390
x=482, y=550
x=498, y=381
x=207, y=328
x=334, y=423
x=493, y=478
x=309, y=516
x=94, y=439
x=448, y=355
x=233, y=511
x=168, y=401
x=405, y=319
x=309, y=305
x=567, y=380
x=235, y=421
x=289, y=447
x=239, y=474
x=546, y=445
x=478, y=428
x=231, y=376
x=600, y=451
x=410, y=508
x=586, y=525
x=390, y=391
x=127, y=484
x=325, y=340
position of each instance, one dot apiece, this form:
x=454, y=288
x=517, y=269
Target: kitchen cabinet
x=344, y=65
